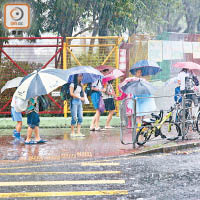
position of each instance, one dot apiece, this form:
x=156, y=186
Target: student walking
x=33, y=122
x=77, y=94
x=108, y=98
x=97, y=90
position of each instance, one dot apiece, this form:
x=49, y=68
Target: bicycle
x=154, y=125
x=190, y=120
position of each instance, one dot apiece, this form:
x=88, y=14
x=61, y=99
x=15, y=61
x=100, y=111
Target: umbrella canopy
x=41, y=82
x=148, y=67
x=101, y=68
x=12, y=83
x=90, y=74
x=187, y=65
x=136, y=87
x=116, y=73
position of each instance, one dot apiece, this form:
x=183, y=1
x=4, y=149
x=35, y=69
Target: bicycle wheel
x=179, y=120
x=143, y=135
x=171, y=130
x=198, y=122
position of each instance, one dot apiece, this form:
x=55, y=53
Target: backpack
x=88, y=89
x=195, y=80
x=44, y=103
x=65, y=91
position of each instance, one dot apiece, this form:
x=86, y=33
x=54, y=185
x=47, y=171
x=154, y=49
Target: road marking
x=79, y=163
x=78, y=182
x=56, y=173
x=70, y=193
x=99, y=164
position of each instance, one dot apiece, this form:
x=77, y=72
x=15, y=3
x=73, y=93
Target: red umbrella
x=116, y=73
x=107, y=68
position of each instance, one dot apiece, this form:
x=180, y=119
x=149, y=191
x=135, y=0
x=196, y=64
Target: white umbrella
x=12, y=83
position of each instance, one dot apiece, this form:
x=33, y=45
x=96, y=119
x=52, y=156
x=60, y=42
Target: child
x=33, y=121
x=108, y=98
x=128, y=104
x=16, y=116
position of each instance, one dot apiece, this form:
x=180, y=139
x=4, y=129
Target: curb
x=167, y=149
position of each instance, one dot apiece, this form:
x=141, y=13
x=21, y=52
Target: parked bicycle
x=192, y=121
x=156, y=126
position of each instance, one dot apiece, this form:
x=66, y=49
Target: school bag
x=44, y=103
x=65, y=91
x=88, y=89
x=195, y=80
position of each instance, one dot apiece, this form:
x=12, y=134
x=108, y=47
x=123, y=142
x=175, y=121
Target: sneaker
x=108, y=127
x=80, y=135
x=16, y=135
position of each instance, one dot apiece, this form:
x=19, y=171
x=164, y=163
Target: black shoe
x=163, y=136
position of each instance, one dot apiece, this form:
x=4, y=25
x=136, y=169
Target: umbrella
x=12, y=83
x=41, y=82
x=187, y=65
x=148, y=67
x=136, y=87
x=101, y=68
x=90, y=74
x=116, y=73
x=194, y=67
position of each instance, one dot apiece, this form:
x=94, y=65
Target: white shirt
x=13, y=102
x=77, y=91
x=109, y=89
x=97, y=84
x=181, y=77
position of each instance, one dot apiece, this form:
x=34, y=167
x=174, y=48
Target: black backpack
x=65, y=91
x=44, y=103
x=88, y=89
x=195, y=80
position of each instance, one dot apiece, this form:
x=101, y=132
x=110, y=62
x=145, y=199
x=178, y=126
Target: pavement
x=95, y=145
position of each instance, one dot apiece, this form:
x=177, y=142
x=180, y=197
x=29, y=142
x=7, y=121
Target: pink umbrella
x=194, y=67
x=116, y=73
x=101, y=68
x=187, y=65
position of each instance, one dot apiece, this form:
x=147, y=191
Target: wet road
x=163, y=176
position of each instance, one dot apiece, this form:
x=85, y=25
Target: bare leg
x=78, y=128
x=109, y=117
x=72, y=129
x=29, y=134
x=93, y=122
x=37, y=136
x=97, y=118
x=19, y=126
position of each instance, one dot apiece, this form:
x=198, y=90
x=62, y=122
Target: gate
x=20, y=56
x=93, y=51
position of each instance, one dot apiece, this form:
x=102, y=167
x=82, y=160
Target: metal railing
x=133, y=116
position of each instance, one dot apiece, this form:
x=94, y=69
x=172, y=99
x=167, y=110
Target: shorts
x=33, y=119
x=95, y=97
x=16, y=116
x=109, y=104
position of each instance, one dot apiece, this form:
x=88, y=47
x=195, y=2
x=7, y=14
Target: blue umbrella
x=148, y=67
x=89, y=73
x=138, y=88
x=41, y=82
